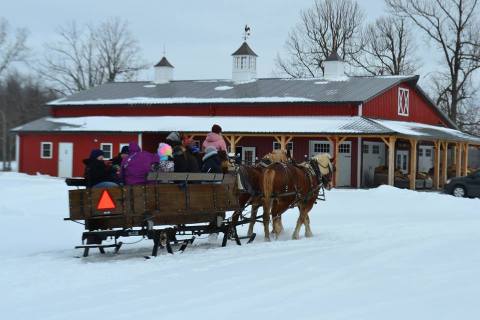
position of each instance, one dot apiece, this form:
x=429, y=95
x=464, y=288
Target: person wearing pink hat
x=215, y=139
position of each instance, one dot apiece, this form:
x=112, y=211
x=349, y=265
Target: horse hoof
x=295, y=237
x=267, y=240
x=309, y=235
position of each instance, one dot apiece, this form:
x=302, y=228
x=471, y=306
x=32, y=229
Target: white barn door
x=65, y=159
x=373, y=154
x=344, y=164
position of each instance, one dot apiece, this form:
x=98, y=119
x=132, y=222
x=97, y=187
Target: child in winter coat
x=165, y=154
x=137, y=165
x=215, y=139
x=211, y=161
x=183, y=159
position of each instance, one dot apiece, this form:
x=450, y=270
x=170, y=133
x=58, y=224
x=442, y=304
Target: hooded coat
x=137, y=165
x=214, y=140
x=97, y=171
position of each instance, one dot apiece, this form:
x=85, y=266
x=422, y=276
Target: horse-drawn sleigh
x=173, y=208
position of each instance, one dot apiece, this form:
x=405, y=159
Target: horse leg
x=253, y=219
x=308, y=231
x=296, y=232
x=266, y=219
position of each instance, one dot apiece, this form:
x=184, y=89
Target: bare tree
x=87, y=56
x=453, y=26
x=12, y=47
x=387, y=48
x=328, y=26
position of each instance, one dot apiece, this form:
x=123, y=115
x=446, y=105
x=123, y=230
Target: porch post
x=140, y=140
x=444, y=163
x=232, y=141
x=465, y=159
x=391, y=160
x=458, y=160
x=413, y=163
x=436, y=165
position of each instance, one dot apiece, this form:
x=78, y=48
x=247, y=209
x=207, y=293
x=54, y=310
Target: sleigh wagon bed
x=171, y=205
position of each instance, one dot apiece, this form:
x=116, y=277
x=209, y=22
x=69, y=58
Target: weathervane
x=246, y=34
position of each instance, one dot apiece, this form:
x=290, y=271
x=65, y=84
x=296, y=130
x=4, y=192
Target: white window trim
x=41, y=150
x=111, y=149
x=407, y=102
x=121, y=145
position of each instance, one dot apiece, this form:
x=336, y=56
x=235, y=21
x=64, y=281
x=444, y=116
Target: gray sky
x=199, y=35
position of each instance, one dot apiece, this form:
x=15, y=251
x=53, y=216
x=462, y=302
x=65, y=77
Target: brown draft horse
x=251, y=178
x=288, y=185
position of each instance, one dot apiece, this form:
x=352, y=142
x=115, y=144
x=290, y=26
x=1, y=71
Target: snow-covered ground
x=376, y=254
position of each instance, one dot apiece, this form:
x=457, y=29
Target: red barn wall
x=257, y=109
x=83, y=143
x=385, y=106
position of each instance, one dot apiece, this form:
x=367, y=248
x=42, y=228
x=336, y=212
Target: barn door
x=65, y=159
x=248, y=155
x=344, y=164
x=373, y=154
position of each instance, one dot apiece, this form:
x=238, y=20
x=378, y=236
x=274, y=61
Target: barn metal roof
x=275, y=90
x=287, y=125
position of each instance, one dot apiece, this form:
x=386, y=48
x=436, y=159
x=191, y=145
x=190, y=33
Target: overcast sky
x=199, y=35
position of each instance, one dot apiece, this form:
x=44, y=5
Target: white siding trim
x=17, y=152
x=140, y=140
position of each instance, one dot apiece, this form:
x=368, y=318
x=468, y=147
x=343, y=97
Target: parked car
x=468, y=186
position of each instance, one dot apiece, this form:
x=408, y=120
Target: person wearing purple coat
x=137, y=165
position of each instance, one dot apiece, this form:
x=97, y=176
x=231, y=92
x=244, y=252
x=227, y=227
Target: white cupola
x=244, y=64
x=334, y=67
x=163, y=71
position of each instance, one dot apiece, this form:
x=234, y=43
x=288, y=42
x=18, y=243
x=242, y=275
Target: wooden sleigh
x=169, y=206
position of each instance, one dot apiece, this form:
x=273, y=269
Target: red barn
x=366, y=123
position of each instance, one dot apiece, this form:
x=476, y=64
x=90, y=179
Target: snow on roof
x=349, y=90
x=331, y=124
x=299, y=125
x=424, y=130
x=180, y=100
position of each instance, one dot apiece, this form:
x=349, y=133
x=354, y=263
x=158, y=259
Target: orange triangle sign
x=106, y=201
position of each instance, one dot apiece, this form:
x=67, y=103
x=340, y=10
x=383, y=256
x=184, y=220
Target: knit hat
x=164, y=151
x=124, y=150
x=96, y=153
x=174, y=136
x=216, y=129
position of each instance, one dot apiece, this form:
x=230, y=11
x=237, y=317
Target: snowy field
x=376, y=254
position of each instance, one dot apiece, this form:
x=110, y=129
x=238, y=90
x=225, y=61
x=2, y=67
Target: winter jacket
x=214, y=140
x=212, y=163
x=184, y=160
x=97, y=171
x=137, y=165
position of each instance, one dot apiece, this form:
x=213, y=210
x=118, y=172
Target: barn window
x=107, y=149
x=344, y=148
x=420, y=152
x=428, y=153
x=365, y=148
x=403, y=101
x=277, y=146
x=321, y=148
x=46, y=150
x=375, y=149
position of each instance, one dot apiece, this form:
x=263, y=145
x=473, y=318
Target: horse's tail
x=267, y=188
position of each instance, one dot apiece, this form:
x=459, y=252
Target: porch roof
x=326, y=125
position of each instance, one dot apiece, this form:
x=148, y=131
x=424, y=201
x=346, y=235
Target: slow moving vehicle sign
x=106, y=202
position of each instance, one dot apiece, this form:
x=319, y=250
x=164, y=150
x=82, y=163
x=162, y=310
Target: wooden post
x=436, y=165
x=444, y=163
x=413, y=163
x=391, y=160
x=336, y=143
x=458, y=160
x=232, y=141
x=465, y=159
